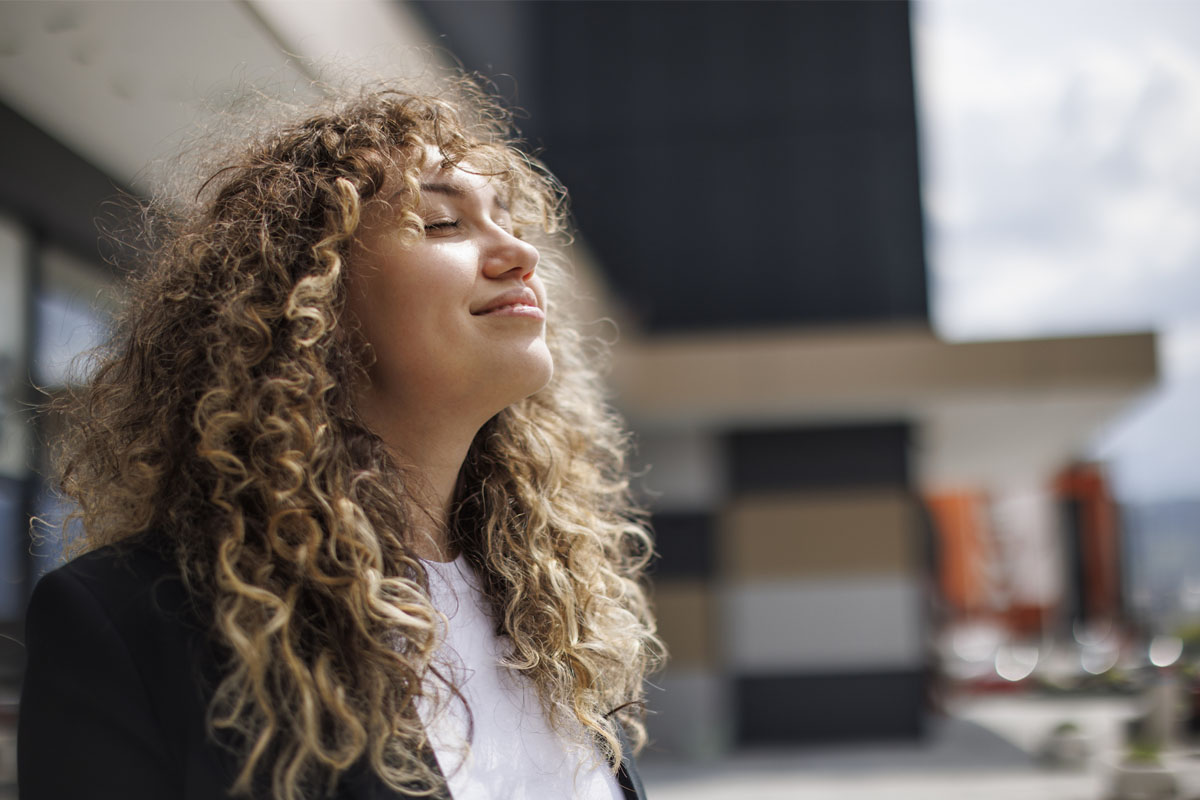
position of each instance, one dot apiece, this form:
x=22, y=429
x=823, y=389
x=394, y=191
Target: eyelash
x=450, y=225
x=442, y=226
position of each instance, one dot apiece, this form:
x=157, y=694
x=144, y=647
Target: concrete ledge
x=861, y=373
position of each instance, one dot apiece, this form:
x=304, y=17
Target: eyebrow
x=459, y=192
x=444, y=188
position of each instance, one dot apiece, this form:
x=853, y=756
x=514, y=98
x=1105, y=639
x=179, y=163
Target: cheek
x=383, y=289
x=377, y=320
x=411, y=330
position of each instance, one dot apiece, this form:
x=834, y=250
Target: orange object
x=1085, y=487
x=964, y=539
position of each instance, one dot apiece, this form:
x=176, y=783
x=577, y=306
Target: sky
x=1061, y=161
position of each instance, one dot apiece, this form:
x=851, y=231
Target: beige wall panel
x=811, y=535
x=686, y=621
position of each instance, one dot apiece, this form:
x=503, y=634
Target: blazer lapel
x=627, y=777
x=361, y=783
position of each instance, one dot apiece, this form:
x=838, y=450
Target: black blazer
x=116, y=685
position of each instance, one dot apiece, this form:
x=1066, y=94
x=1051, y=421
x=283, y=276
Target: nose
x=508, y=254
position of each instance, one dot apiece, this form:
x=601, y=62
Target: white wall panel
x=826, y=624
x=14, y=432
x=689, y=714
x=684, y=470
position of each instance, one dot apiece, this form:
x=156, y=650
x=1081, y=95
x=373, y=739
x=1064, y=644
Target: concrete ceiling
x=123, y=83
x=126, y=84
x=987, y=414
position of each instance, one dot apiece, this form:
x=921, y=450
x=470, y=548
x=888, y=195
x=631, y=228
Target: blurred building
x=1161, y=549
x=746, y=179
x=1041, y=560
x=747, y=176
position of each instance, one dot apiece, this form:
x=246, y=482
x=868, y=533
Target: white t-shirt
x=514, y=752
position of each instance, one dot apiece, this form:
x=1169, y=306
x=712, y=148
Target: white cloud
x=1180, y=354
x=1053, y=170
x=1062, y=191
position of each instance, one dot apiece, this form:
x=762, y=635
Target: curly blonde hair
x=221, y=420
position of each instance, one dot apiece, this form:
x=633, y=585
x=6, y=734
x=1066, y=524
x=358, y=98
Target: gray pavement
x=985, y=749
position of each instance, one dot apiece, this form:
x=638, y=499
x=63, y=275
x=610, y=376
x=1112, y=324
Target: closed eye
x=446, y=226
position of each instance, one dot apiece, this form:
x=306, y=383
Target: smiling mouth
x=523, y=310
x=517, y=302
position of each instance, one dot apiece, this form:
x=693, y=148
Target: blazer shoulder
x=119, y=669
x=133, y=580
x=119, y=566
x=89, y=721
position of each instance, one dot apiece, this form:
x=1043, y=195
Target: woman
x=355, y=517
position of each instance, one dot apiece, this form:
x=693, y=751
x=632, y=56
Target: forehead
x=468, y=177
x=461, y=186
x=455, y=182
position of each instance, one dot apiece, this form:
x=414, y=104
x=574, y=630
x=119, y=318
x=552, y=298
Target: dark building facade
x=733, y=165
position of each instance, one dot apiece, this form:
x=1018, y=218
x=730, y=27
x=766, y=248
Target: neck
x=431, y=452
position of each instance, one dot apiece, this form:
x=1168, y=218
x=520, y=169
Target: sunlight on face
x=456, y=321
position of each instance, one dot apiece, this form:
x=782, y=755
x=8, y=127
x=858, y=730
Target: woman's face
x=456, y=321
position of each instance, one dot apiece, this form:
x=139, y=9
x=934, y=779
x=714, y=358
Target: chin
x=540, y=373
x=511, y=381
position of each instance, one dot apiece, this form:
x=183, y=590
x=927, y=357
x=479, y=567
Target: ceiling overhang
x=987, y=412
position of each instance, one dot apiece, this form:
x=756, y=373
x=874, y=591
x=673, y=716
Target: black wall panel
x=685, y=543
x=51, y=189
x=734, y=165
x=819, y=458
x=824, y=708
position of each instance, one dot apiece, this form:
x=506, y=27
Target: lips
x=516, y=299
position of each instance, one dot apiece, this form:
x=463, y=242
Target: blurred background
x=908, y=300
